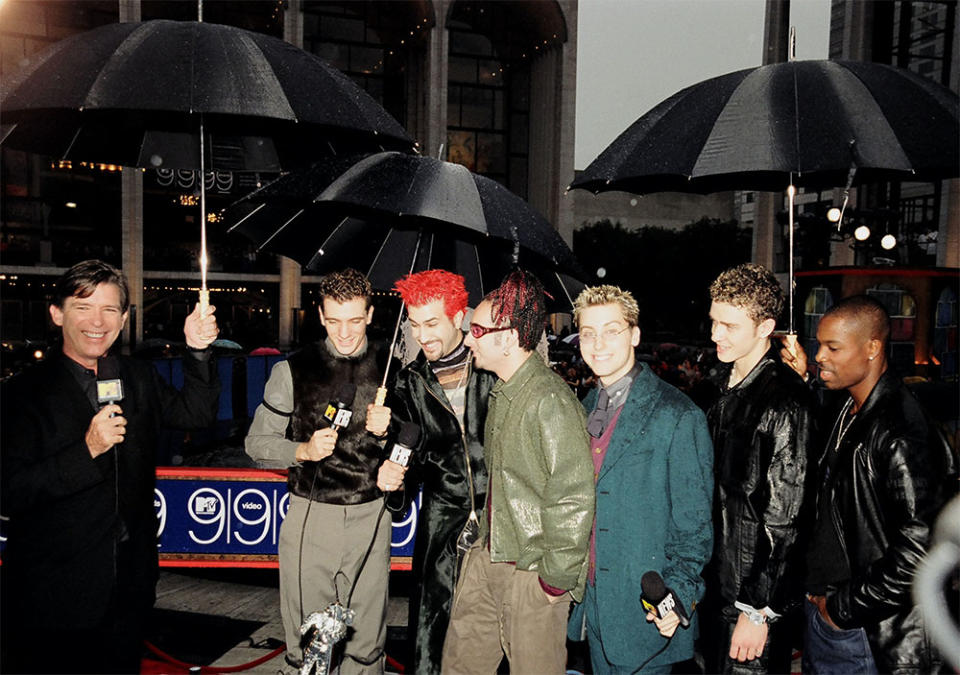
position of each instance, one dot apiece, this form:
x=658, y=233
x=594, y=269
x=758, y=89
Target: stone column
x=432, y=129
x=563, y=215
x=776, y=38
x=289, y=295
x=131, y=220
x=131, y=243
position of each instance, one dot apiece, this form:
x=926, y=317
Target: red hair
x=421, y=288
x=520, y=300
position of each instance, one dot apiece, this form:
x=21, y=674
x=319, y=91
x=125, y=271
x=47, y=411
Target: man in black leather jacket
x=884, y=475
x=441, y=392
x=762, y=427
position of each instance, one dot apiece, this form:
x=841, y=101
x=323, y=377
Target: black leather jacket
x=894, y=472
x=439, y=463
x=763, y=434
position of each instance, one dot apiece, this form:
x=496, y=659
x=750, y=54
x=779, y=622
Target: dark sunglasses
x=478, y=331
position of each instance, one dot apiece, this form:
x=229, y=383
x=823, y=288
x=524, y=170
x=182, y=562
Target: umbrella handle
x=381, y=396
x=204, y=302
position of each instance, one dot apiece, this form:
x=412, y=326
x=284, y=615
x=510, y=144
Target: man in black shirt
x=80, y=566
x=884, y=476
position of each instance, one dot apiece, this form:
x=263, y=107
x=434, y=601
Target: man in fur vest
x=335, y=503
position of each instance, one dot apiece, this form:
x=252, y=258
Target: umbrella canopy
x=805, y=123
x=391, y=214
x=134, y=94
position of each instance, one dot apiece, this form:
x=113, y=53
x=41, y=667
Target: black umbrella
x=187, y=94
x=134, y=93
x=814, y=124
x=390, y=214
x=800, y=123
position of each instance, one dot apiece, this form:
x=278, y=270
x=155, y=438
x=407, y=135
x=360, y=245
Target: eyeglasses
x=608, y=335
x=478, y=331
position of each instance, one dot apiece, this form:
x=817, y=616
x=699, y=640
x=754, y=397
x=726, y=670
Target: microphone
x=338, y=411
x=109, y=385
x=657, y=598
x=407, y=440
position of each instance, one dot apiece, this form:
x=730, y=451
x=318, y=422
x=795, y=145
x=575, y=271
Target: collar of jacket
x=888, y=383
x=767, y=361
x=509, y=389
x=640, y=388
x=421, y=366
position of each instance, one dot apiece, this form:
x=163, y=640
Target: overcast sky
x=632, y=54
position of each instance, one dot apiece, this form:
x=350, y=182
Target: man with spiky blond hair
x=652, y=461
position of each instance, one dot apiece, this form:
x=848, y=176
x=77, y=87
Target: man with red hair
x=447, y=398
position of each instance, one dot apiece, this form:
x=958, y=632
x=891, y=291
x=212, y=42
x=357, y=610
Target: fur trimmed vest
x=349, y=475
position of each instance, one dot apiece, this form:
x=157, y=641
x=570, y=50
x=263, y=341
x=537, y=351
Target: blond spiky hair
x=607, y=295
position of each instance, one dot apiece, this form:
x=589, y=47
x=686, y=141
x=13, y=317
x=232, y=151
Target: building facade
x=490, y=85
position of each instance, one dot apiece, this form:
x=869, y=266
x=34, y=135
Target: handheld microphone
x=109, y=385
x=407, y=440
x=657, y=598
x=338, y=412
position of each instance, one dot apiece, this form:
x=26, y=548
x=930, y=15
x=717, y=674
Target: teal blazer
x=653, y=510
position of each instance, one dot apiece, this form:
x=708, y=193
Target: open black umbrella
x=814, y=124
x=188, y=94
x=136, y=93
x=390, y=214
x=800, y=123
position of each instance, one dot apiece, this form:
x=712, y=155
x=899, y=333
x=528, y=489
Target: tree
x=668, y=271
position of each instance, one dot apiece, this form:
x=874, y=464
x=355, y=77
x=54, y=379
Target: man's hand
x=200, y=333
x=793, y=355
x=390, y=476
x=821, y=602
x=748, y=639
x=667, y=625
x=320, y=445
x=105, y=431
x=378, y=419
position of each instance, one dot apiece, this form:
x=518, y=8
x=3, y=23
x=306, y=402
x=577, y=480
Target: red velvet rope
x=396, y=665
x=214, y=669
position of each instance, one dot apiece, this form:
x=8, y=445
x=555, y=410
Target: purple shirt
x=598, y=450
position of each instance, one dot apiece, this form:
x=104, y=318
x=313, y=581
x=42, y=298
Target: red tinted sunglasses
x=478, y=331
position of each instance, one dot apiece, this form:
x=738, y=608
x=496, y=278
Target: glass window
x=477, y=108
x=463, y=69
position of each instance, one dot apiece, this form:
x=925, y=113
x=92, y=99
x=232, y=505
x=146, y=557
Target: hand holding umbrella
x=200, y=327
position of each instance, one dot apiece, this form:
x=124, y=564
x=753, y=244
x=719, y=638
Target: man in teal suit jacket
x=653, y=463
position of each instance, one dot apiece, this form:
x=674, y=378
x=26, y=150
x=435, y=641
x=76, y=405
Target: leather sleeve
x=567, y=504
x=905, y=496
x=783, y=506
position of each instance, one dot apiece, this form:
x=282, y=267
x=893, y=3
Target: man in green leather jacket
x=446, y=397
x=516, y=585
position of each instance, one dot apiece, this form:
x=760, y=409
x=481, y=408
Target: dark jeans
x=828, y=651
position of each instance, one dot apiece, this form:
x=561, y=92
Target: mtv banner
x=232, y=518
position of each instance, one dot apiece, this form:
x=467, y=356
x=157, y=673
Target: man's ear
x=635, y=336
x=874, y=348
x=370, y=315
x=765, y=328
x=323, y=322
x=56, y=315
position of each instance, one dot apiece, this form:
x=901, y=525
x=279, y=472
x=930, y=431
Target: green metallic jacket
x=541, y=477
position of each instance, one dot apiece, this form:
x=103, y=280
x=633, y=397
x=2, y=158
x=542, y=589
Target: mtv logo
x=205, y=506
